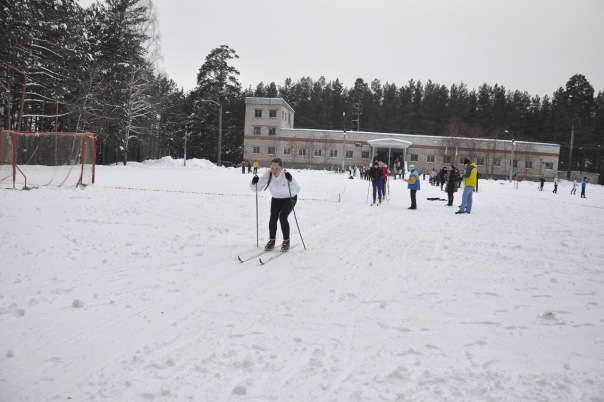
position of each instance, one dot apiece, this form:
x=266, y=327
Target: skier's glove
x=288, y=176
x=255, y=179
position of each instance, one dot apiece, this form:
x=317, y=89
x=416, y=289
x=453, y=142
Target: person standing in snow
x=443, y=177
x=451, y=184
x=376, y=174
x=255, y=165
x=413, y=185
x=470, y=177
x=574, y=190
x=284, y=189
x=555, y=191
x=583, y=185
x=385, y=178
x=542, y=180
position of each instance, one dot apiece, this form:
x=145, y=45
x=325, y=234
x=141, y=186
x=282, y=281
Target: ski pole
x=294, y=210
x=388, y=187
x=368, y=186
x=257, y=215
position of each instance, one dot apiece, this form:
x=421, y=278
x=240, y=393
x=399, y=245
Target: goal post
x=51, y=159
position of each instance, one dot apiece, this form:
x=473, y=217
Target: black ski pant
x=413, y=199
x=450, y=193
x=280, y=210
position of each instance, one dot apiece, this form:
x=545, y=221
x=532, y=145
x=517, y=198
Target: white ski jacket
x=279, y=186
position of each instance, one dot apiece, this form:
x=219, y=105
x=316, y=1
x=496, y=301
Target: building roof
x=390, y=143
x=411, y=136
x=268, y=101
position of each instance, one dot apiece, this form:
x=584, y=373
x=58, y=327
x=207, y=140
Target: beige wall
x=542, y=156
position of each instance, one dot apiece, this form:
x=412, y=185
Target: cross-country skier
x=284, y=189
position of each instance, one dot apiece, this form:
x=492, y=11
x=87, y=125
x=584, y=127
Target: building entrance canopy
x=390, y=143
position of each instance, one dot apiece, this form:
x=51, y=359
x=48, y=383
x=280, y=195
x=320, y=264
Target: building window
x=448, y=159
x=414, y=158
x=479, y=161
x=272, y=114
x=497, y=162
x=365, y=154
x=317, y=152
x=256, y=150
x=515, y=163
x=287, y=151
x=549, y=165
x=256, y=130
x=272, y=131
x=271, y=150
x=528, y=164
x=348, y=154
x=461, y=160
x=333, y=153
x=302, y=152
x=258, y=113
x=430, y=158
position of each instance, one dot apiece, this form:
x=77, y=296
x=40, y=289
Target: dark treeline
x=64, y=68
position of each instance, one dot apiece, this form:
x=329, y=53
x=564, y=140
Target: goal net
x=34, y=159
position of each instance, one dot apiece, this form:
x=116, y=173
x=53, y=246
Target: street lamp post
x=344, y=141
x=186, y=137
x=570, y=151
x=219, y=158
x=512, y=161
x=187, y=125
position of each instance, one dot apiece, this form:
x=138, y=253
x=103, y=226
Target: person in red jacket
x=385, y=180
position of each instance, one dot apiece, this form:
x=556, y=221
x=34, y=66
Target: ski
x=276, y=255
x=258, y=254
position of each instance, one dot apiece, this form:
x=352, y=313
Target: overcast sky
x=526, y=45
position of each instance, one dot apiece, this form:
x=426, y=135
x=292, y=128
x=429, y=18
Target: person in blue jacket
x=583, y=185
x=413, y=186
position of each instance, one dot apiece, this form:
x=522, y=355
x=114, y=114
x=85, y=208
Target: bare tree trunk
x=23, y=87
x=8, y=102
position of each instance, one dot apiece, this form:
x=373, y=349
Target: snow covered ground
x=131, y=290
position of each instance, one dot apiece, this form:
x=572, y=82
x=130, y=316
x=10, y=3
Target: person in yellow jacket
x=470, y=179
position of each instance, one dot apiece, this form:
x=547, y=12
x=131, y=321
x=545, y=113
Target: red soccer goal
x=47, y=159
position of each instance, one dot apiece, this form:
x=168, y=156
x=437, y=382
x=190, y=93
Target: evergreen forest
x=66, y=68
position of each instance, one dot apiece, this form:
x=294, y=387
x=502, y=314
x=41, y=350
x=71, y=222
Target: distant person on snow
x=574, y=190
x=583, y=185
x=413, y=185
x=284, y=190
x=555, y=191
x=451, y=185
x=385, y=178
x=255, y=165
x=542, y=180
x=470, y=178
x=376, y=174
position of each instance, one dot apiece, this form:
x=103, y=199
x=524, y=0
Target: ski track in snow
x=131, y=290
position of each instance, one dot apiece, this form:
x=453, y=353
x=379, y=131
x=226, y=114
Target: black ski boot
x=270, y=245
x=285, y=245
